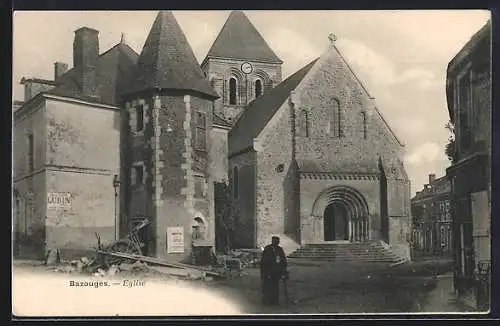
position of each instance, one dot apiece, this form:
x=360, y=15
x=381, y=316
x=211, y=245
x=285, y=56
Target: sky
x=400, y=56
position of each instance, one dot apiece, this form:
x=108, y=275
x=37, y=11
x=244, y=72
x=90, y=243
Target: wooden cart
x=130, y=244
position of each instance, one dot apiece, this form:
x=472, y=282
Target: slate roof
x=218, y=121
x=259, y=112
x=239, y=39
x=167, y=60
x=113, y=74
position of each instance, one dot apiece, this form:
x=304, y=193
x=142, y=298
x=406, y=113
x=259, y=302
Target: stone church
x=309, y=158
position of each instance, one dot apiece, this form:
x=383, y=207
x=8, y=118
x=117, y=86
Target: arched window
x=304, y=122
x=258, y=88
x=232, y=91
x=336, y=124
x=363, y=116
x=235, y=182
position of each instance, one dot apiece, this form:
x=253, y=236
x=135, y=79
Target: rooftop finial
x=122, y=41
x=332, y=38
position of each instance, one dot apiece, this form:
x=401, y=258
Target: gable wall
x=276, y=191
x=333, y=80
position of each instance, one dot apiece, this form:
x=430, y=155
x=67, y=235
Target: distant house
x=469, y=105
x=431, y=218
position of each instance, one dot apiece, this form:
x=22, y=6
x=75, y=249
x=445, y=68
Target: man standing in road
x=272, y=268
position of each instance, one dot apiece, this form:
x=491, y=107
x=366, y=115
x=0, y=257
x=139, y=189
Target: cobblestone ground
x=331, y=288
x=354, y=288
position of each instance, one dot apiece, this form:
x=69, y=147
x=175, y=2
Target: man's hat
x=275, y=237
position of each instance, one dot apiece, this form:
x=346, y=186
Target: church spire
x=167, y=60
x=239, y=39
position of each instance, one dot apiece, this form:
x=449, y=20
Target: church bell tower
x=240, y=66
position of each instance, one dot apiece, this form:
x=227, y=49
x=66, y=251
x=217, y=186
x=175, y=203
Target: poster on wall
x=57, y=200
x=175, y=239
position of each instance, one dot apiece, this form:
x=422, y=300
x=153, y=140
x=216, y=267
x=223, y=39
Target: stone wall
x=76, y=152
x=91, y=210
x=219, y=155
x=274, y=179
x=172, y=164
x=81, y=135
x=330, y=82
x=351, y=140
x=245, y=224
x=29, y=186
x=29, y=216
x=82, y=157
x=28, y=121
x=310, y=189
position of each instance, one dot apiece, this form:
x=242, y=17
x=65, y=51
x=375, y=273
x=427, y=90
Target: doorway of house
x=336, y=225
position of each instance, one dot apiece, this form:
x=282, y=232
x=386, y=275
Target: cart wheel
x=126, y=247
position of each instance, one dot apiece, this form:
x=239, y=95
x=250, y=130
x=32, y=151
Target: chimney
x=85, y=58
x=432, y=177
x=60, y=69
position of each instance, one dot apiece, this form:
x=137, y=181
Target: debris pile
x=248, y=257
x=124, y=257
x=127, y=265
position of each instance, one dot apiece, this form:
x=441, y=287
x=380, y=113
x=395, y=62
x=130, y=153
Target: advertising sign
x=175, y=239
x=58, y=200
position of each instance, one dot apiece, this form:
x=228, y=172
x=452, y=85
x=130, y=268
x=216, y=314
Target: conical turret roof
x=239, y=39
x=167, y=60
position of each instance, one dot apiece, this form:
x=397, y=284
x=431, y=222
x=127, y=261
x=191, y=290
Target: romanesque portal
x=344, y=215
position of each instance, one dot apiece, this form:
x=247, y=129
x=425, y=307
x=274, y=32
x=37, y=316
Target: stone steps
x=346, y=252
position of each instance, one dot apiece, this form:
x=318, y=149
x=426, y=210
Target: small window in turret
x=139, y=114
x=201, y=132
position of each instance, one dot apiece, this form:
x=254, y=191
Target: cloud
x=424, y=153
x=380, y=70
x=200, y=34
x=294, y=49
x=378, y=67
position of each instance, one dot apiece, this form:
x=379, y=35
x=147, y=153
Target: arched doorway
x=336, y=222
x=344, y=215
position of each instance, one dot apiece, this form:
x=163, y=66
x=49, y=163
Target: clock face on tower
x=247, y=68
